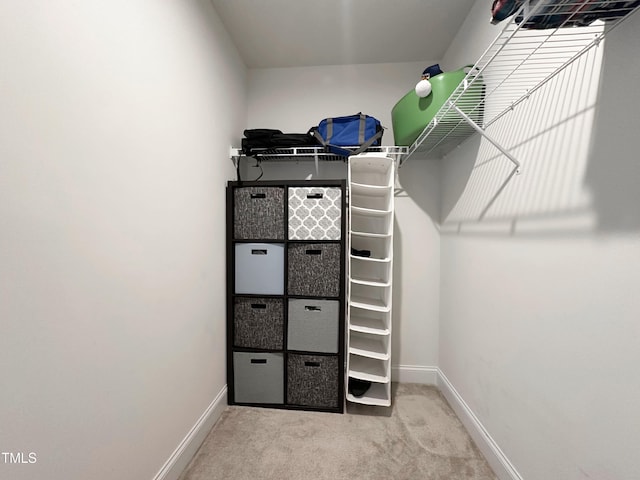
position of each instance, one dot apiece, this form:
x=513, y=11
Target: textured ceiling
x=290, y=33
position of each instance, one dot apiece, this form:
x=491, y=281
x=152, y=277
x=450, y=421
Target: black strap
x=368, y=143
x=321, y=140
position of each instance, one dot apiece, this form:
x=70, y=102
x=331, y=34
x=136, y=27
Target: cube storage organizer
x=286, y=294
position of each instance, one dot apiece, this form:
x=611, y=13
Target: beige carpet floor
x=418, y=438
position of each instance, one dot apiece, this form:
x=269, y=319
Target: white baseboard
x=498, y=461
x=189, y=445
x=414, y=374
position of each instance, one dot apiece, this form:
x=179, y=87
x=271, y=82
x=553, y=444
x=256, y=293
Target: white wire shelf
x=518, y=62
x=314, y=153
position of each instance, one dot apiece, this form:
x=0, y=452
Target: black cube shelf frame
x=310, y=380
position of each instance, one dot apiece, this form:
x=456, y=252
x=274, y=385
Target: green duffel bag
x=412, y=113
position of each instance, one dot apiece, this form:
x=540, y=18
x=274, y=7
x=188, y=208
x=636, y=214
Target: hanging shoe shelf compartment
x=370, y=277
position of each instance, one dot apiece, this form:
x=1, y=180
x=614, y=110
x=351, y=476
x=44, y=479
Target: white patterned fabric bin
x=315, y=213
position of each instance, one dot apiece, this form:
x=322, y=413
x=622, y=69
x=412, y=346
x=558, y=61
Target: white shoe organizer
x=371, y=181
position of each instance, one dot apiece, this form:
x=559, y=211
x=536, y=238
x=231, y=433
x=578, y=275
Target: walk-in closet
x=200, y=278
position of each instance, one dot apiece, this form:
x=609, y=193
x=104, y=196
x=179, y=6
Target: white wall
x=416, y=294
x=115, y=129
x=539, y=307
x=295, y=99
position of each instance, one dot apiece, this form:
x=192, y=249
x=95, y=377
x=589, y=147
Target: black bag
x=259, y=140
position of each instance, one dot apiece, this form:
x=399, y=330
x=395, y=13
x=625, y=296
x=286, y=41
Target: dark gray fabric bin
x=312, y=380
x=258, y=213
x=258, y=323
x=314, y=269
x=258, y=377
x=313, y=325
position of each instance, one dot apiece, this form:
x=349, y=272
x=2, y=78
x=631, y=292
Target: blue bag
x=359, y=130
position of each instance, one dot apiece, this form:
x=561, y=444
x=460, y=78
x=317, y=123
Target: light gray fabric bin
x=315, y=213
x=258, y=377
x=258, y=213
x=312, y=380
x=258, y=322
x=313, y=325
x=314, y=269
x=259, y=268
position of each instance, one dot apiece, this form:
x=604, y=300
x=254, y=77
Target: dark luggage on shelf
x=260, y=139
